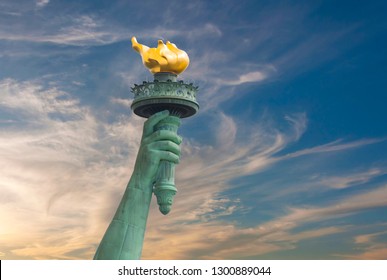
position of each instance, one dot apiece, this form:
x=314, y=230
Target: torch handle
x=165, y=188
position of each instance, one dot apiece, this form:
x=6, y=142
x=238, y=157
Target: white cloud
x=214, y=208
x=35, y=101
x=226, y=131
x=91, y=30
x=218, y=82
x=42, y=3
x=368, y=238
x=80, y=30
x=250, y=77
x=72, y=36
x=121, y=101
x=334, y=146
x=342, y=182
x=299, y=123
x=87, y=21
x=208, y=29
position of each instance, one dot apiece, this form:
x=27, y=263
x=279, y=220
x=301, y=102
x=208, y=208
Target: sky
x=286, y=158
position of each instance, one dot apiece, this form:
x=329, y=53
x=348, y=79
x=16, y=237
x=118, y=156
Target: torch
x=165, y=93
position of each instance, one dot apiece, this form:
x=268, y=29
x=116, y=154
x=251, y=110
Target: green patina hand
x=155, y=146
x=125, y=235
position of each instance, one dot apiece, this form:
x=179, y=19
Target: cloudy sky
x=285, y=160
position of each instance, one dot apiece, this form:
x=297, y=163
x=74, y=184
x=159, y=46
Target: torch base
x=177, y=107
x=165, y=93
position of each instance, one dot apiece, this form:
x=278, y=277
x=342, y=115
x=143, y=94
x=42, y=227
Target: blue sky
x=285, y=160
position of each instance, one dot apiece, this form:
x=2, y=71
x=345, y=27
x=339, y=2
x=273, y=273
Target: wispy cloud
x=42, y=3
x=368, y=238
x=121, y=101
x=370, y=246
x=76, y=30
x=376, y=253
x=64, y=164
x=227, y=240
x=59, y=158
x=250, y=77
x=90, y=30
x=65, y=155
x=367, y=246
x=342, y=182
x=334, y=146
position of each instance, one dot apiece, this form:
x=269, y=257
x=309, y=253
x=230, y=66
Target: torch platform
x=165, y=93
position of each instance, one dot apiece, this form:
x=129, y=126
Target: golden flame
x=164, y=58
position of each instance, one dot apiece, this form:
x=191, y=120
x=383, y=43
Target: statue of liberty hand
x=156, y=145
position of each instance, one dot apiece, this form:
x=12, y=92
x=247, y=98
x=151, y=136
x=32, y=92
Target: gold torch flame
x=164, y=58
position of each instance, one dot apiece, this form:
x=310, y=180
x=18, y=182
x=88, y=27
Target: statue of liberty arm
x=124, y=237
x=164, y=102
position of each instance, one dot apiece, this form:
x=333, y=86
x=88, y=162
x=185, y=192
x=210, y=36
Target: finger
x=168, y=156
x=161, y=135
x=153, y=120
x=168, y=146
